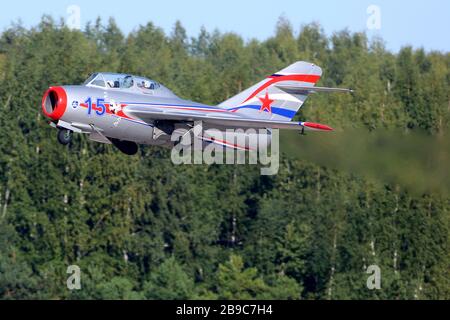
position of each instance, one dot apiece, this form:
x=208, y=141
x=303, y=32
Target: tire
x=64, y=136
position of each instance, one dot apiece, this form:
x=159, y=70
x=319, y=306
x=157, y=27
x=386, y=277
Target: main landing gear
x=128, y=147
x=64, y=136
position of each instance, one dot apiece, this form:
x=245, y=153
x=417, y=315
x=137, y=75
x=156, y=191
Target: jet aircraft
x=126, y=110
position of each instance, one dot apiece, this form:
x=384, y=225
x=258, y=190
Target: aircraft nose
x=54, y=102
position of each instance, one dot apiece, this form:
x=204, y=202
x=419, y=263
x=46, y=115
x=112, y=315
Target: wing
x=225, y=119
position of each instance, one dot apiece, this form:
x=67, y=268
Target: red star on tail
x=266, y=102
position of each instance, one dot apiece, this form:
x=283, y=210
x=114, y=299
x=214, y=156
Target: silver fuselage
x=101, y=113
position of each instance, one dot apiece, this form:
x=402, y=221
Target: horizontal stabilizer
x=308, y=90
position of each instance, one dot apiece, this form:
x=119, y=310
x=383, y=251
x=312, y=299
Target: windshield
x=96, y=79
x=91, y=77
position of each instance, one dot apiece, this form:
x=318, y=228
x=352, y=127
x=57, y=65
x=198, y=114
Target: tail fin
x=266, y=100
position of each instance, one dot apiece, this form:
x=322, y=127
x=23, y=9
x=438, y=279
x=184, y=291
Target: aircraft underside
x=127, y=134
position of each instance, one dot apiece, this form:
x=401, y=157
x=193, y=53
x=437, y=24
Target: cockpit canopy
x=126, y=82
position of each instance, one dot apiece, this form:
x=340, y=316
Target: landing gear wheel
x=64, y=136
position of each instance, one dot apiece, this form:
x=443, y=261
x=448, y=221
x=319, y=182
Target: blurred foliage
x=417, y=161
x=141, y=227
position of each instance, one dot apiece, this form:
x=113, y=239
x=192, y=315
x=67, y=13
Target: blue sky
x=417, y=23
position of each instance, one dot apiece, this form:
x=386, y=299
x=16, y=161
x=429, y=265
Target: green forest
x=143, y=228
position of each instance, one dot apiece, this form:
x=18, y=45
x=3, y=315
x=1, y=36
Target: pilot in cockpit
x=128, y=82
x=147, y=84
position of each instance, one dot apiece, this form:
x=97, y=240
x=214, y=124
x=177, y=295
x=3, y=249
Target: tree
x=118, y=288
x=144, y=228
x=234, y=282
x=169, y=282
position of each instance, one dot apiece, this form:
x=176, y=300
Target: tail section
x=269, y=100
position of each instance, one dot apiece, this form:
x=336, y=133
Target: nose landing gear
x=64, y=136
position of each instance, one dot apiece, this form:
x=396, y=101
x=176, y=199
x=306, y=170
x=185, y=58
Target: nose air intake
x=54, y=102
